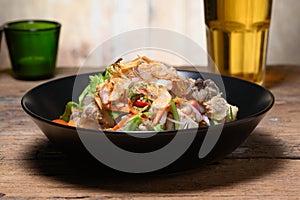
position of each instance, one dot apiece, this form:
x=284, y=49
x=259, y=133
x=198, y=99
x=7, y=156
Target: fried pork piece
x=92, y=116
x=218, y=109
x=113, y=94
x=203, y=91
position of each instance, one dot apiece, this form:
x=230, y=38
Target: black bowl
x=47, y=102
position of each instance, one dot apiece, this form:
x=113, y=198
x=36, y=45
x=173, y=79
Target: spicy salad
x=147, y=95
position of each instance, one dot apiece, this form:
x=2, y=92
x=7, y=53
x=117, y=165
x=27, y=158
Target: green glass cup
x=33, y=47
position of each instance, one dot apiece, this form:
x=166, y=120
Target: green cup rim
x=7, y=25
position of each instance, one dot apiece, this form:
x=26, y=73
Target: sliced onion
x=163, y=118
x=202, y=109
x=198, y=115
x=175, y=121
x=205, y=118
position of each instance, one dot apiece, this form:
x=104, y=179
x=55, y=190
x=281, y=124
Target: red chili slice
x=140, y=103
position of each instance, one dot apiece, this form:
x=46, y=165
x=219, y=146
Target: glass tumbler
x=33, y=47
x=238, y=33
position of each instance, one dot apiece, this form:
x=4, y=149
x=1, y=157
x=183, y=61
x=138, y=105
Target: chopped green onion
x=214, y=122
x=203, y=123
x=175, y=114
x=158, y=127
x=231, y=114
x=115, y=114
x=133, y=95
x=106, y=74
x=68, y=111
x=134, y=122
x=137, y=108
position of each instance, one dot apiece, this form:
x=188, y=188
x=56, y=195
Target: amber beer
x=238, y=35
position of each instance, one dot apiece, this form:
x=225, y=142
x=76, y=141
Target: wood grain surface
x=265, y=166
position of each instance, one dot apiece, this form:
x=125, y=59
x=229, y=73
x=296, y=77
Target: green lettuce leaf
x=90, y=89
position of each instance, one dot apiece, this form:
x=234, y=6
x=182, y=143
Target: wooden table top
x=266, y=165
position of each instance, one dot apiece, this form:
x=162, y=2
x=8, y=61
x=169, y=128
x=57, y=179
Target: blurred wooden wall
x=86, y=24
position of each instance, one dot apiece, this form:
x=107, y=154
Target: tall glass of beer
x=238, y=36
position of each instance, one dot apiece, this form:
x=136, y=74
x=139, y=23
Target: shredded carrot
x=71, y=123
x=116, y=127
x=176, y=100
x=120, y=124
x=60, y=121
x=132, y=110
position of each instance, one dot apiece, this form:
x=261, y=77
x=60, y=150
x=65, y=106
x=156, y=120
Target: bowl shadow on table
x=233, y=170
